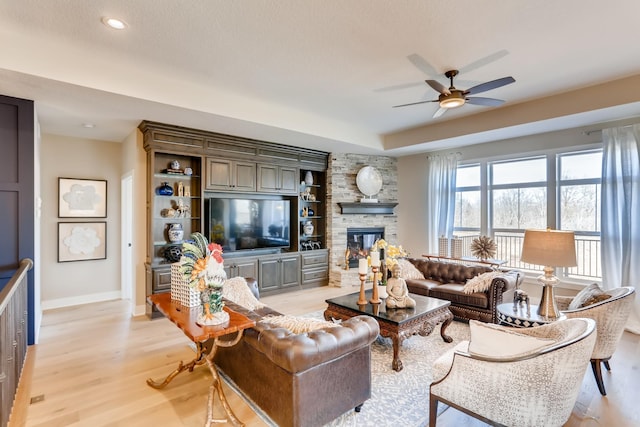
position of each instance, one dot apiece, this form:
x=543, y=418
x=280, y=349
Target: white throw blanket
x=236, y=290
x=481, y=282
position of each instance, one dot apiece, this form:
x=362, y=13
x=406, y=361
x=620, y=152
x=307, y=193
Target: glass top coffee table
x=395, y=323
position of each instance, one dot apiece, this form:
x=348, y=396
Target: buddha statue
x=398, y=293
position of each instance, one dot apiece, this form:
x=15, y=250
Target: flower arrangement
x=202, y=266
x=391, y=252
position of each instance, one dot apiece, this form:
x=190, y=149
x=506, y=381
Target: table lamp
x=549, y=248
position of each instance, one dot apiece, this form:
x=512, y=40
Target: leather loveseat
x=305, y=379
x=446, y=280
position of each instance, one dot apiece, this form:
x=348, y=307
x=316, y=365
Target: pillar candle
x=363, y=266
x=375, y=259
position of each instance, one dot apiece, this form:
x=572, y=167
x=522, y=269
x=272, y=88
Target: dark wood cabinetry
x=277, y=179
x=212, y=164
x=277, y=272
x=230, y=175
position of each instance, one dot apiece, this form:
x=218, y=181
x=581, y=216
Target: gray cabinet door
x=289, y=180
x=245, y=176
x=219, y=174
x=268, y=178
x=269, y=272
x=241, y=267
x=290, y=268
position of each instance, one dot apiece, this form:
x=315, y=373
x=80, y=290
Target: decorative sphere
x=369, y=181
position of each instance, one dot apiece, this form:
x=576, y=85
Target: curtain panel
x=441, y=194
x=620, y=226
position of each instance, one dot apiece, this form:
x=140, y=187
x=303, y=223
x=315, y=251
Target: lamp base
x=547, y=307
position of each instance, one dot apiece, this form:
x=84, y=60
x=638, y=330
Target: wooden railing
x=13, y=337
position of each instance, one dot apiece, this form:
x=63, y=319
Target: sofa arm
x=506, y=282
x=299, y=352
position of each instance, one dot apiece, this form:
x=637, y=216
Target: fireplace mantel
x=367, y=208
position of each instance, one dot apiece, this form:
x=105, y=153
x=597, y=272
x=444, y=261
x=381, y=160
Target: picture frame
x=82, y=241
x=82, y=198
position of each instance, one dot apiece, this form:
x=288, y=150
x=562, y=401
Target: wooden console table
x=493, y=263
x=207, y=340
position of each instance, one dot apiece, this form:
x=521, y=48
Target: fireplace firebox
x=359, y=242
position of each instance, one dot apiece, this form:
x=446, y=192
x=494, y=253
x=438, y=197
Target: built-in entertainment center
x=263, y=202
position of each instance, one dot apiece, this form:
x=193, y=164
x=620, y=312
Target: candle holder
x=362, y=300
x=374, y=297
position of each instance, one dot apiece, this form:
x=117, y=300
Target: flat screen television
x=248, y=224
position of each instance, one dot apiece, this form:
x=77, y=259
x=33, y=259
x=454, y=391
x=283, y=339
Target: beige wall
x=134, y=162
x=71, y=283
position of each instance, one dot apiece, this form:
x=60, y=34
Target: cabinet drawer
x=161, y=280
x=315, y=275
x=315, y=259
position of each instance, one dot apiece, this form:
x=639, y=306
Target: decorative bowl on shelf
x=164, y=190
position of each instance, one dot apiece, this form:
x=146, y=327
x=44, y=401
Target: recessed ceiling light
x=88, y=125
x=114, y=23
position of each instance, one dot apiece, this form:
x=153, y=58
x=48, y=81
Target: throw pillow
x=585, y=295
x=596, y=299
x=481, y=282
x=495, y=341
x=236, y=290
x=409, y=271
x=298, y=325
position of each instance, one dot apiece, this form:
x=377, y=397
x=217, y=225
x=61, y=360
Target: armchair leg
x=606, y=365
x=433, y=410
x=597, y=372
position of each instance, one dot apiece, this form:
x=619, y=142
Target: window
x=559, y=190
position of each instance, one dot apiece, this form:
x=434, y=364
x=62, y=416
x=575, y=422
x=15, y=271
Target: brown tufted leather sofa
x=446, y=280
x=305, y=379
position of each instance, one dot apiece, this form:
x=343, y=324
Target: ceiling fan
x=453, y=98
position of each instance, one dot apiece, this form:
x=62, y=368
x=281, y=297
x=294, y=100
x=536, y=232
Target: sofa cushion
x=409, y=271
x=495, y=341
x=298, y=325
x=585, y=295
x=421, y=286
x=455, y=293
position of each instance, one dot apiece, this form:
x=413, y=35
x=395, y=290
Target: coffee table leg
x=397, y=343
x=447, y=322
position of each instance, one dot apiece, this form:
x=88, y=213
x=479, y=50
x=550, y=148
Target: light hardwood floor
x=93, y=360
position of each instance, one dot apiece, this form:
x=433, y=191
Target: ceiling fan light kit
x=453, y=98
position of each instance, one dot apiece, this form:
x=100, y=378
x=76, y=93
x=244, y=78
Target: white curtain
x=441, y=193
x=620, y=227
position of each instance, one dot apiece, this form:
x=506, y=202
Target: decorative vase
x=308, y=228
x=310, y=212
x=308, y=178
x=382, y=291
x=165, y=190
x=175, y=232
x=212, y=304
x=175, y=165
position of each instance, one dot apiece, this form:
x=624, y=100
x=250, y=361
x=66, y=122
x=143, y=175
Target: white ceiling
x=321, y=73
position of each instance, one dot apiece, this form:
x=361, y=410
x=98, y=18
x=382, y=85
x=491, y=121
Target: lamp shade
x=552, y=248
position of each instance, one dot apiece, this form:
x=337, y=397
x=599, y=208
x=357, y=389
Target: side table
x=207, y=340
x=521, y=318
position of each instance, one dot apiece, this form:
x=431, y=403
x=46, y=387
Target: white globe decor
x=369, y=182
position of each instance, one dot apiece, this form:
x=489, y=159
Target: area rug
x=397, y=398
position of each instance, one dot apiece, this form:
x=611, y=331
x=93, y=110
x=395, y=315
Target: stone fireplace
x=359, y=242
x=341, y=188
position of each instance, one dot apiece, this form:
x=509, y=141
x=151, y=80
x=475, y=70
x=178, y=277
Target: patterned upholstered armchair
x=515, y=377
x=611, y=315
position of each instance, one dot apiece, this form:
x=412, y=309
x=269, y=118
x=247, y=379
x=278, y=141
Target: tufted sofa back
x=447, y=272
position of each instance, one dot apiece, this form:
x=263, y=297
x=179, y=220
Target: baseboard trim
x=82, y=299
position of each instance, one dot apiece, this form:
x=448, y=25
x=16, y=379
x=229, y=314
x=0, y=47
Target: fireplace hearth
x=359, y=242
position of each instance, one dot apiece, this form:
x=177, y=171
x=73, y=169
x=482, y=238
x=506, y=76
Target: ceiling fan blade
x=439, y=112
x=414, y=103
x=487, y=102
x=398, y=87
x=484, y=61
x=421, y=64
x=438, y=87
x=493, y=84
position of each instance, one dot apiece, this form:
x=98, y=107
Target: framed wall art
x=82, y=198
x=82, y=241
